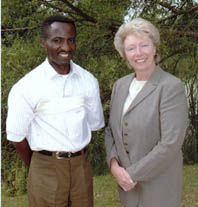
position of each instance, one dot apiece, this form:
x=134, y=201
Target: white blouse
x=134, y=89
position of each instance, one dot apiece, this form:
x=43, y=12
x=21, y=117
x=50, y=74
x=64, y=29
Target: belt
x=62, y=154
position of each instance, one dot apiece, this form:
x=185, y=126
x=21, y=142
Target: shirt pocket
x=76, y=122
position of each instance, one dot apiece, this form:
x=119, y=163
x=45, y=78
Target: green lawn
x=190, y=186
x=105, y=191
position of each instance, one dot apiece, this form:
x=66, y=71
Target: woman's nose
x=138, y=50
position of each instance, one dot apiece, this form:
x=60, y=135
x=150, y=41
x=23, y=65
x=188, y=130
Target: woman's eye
x=130, y=49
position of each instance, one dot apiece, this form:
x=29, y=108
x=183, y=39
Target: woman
x=147, y=124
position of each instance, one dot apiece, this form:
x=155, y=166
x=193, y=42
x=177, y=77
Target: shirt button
x=126, y=124
x=125, y=134
x=125, y=143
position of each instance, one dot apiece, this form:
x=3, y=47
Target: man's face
x=60, y=45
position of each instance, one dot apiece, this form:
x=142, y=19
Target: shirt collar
x=51, y=73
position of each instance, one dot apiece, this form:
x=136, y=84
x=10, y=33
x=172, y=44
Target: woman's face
x=140, y=51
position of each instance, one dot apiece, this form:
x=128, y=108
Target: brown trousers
x=60, y=183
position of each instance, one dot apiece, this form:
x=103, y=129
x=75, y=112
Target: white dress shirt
x=135, y=87
x=54, y=112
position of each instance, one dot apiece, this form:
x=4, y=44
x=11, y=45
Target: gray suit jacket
x=147, y=140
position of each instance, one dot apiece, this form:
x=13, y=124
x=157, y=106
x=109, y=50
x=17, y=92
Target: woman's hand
x=121, y=175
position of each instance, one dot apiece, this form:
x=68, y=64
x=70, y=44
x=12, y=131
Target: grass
x=190, y=186
x=105, y=191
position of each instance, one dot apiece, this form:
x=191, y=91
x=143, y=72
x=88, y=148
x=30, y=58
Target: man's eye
x=71, y=40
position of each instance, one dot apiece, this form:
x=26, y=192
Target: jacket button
x=126, y=124
x=125, y=143
x=127, y=152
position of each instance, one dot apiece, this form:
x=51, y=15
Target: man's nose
x=65, y=46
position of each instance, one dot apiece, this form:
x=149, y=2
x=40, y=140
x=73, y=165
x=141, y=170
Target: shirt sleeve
x=20, y=115
x=173, y=122
x=94, y=108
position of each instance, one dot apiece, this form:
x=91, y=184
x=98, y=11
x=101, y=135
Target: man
x=51, y=113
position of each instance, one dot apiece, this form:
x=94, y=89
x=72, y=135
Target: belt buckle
x=69, y=154
x=57, y=156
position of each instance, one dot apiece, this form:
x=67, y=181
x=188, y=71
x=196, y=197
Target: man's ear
x=42, y=42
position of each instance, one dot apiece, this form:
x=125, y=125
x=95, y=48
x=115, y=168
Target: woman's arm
x=110, y=147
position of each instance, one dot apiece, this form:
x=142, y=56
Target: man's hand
x=121, y=175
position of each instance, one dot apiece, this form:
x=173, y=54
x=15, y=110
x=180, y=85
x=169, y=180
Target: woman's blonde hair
x=137, y=26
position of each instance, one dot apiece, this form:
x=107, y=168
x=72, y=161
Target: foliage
x=20, y=18
x=16, y=178
x=191, y=142
x=97, y=21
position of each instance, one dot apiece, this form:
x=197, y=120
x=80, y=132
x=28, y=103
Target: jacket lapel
x=147, y=89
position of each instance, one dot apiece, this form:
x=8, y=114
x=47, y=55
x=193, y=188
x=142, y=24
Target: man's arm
x=24, y=151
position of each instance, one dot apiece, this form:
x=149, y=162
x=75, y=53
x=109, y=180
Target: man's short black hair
x=51, y=19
